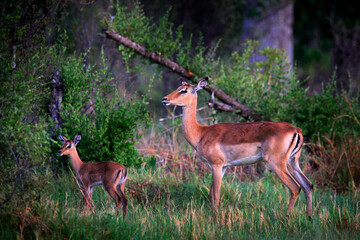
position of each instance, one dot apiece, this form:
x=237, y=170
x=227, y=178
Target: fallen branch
x=229, y=104
x=141, y=50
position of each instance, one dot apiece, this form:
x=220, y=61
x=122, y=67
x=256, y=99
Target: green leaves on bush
x=161, y=39
x=94, y=108
x=24, y=95
x=262, y=79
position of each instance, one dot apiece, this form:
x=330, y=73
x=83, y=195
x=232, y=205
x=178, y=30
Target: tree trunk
x=55, y=105
x=273, y=28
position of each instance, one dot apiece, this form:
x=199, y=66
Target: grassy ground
x=168, y=199
x=167, y=205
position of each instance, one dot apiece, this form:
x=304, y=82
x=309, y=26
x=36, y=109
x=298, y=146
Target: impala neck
x=75, y=160
x=192, y=129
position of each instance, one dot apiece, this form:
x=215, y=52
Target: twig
x=180, y=115
x=337, y=164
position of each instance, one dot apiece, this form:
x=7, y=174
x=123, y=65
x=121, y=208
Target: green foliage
x=132, y=23
x=24, y=95
x=93, y=107
x=160, y=38
x=262, y=79
x=257, y=77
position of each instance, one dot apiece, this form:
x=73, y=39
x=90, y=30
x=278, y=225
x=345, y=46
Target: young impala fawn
x=111, y=175
x=222, y=145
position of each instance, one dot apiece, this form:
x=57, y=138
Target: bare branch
x=229, y=104
x=141, y=50
x=221, y=106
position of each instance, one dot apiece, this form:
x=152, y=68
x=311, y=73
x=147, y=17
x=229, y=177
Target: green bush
x=24, y=95
x=109, y=127
x=262, y=79
x=93, y=107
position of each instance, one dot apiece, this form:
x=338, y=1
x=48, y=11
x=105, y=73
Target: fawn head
x=68, y=145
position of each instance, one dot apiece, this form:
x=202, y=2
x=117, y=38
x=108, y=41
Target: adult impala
x=222, y=145
x=111, y=175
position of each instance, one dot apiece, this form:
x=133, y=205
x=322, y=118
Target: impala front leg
x=87, y=200
x=86, y=191
x=216, y=186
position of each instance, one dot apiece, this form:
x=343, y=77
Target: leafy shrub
x=109, y=127
x=107, y=121
x=25, y=144
x=24, y=95
x=262, y=79
x=160, y=38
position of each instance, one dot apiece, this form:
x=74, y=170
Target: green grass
x=164, y=206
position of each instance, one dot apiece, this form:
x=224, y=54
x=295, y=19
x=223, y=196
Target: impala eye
x=68, y=146
x=183, y=91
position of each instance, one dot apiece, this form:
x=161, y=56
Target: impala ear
x=77, y=139
x=201, y=84
x=62, y=139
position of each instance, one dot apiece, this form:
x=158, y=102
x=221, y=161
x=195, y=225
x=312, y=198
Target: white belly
x=96, y=183
x=244, y=161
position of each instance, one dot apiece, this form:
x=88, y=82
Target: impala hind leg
x=302, y=180
x=294, y=188
x=121, y=191
x=114, y=195
x=216, y=186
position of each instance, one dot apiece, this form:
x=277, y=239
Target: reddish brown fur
x=111, y=175
x=228, y=144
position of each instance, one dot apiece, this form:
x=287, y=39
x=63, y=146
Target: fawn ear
x=202, y=83
x=77, y=139
x=62, y=138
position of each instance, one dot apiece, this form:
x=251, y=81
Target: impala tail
x=295, y=171
x=122, y=176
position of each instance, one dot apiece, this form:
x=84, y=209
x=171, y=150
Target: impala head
x=68, y=145
x=185, y=94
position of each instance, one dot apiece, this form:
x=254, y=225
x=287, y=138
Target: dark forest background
x=320, y=37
